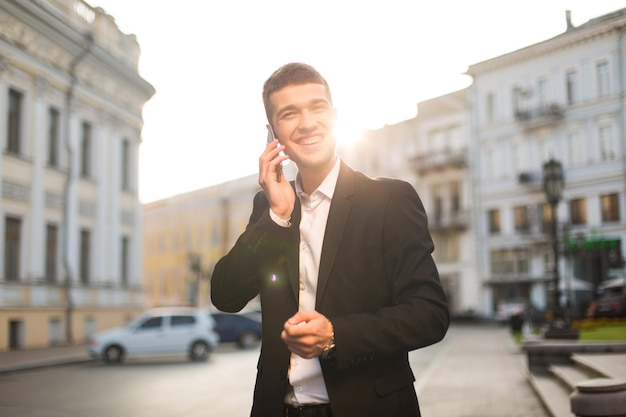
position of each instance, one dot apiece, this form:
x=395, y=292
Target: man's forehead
x=305, y=92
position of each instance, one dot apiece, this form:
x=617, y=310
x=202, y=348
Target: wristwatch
x=329, y=349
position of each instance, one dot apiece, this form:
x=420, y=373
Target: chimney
x=568, y=19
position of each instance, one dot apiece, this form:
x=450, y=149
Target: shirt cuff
x=279, y=221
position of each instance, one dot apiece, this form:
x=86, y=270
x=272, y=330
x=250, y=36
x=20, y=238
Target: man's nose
x=307, y=121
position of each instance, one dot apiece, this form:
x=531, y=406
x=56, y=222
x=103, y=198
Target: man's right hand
x=278, y=190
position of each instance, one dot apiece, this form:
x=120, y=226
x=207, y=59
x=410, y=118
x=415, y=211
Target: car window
x=182, y=321
x=152, y=323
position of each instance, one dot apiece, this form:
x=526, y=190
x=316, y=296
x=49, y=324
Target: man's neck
x=311, y=179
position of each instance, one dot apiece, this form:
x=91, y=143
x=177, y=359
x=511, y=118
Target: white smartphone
x=270, y=138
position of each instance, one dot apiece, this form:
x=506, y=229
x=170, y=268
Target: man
x=343, y=267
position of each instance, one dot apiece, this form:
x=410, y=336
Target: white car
x=159, y=332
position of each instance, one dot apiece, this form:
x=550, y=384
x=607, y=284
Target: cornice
x=56, y=31
x=587, y=32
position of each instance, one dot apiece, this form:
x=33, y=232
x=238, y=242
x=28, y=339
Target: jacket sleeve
x=410, y=309
x=237, y=276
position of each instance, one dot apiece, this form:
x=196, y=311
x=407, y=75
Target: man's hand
x=307, y=333
x=279, y=192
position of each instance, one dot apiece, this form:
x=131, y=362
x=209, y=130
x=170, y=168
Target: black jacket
x=377, y=284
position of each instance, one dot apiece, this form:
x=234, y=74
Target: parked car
x=609, y=304
x=519, y=308
x=159, y=332
x=244, y=329
x=508, y=309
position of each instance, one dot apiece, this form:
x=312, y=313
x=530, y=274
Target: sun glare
x=348, y=132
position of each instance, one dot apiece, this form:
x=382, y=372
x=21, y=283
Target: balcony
x=545, y=115
x=449, y=221
x=439, y=160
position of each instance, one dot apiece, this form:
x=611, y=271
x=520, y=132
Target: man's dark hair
x=291, y=74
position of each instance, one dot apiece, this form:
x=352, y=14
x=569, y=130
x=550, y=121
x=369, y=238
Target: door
x=181, y=331
x=147, y=338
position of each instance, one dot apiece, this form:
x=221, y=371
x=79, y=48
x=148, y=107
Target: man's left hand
x=307, y=333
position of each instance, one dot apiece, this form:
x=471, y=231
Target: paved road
x=474, y=372
x=157, y=388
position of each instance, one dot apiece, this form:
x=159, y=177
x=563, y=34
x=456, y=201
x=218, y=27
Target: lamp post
x=553, y=185
x=195, y=264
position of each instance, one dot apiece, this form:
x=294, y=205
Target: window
x=53, y=136
x=610, y=207
x=547, y=217
x=493, y=167
x=152, y=323
x=575, y=152
x=14, y=121
x=125, y=165
x=85, y=161
x=494, y=221
x=606, y=142
x=603, y=78
x=12, y=238
x=446, y=247
x=578, y=211
x=438, y=207
x=124, y=260
x=571, y=86
x=521, y=218
x=455, y=203
x=518, y=158
x=546, y=148
x=509, y=262
x=52, y=247
x=85, y=251
x=542, y=92
x=177, y=321
x=490, y=107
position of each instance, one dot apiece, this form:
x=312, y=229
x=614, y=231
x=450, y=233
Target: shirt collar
x=327, y=187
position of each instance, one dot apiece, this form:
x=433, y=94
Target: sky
x=208, y=59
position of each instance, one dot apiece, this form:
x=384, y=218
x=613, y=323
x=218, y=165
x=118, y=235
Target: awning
x=612, y=283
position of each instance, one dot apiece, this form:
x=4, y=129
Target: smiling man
x=343, y=266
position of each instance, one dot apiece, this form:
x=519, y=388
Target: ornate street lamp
x=553, y=185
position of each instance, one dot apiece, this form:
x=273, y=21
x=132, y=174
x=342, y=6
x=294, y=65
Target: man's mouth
x=309, y=139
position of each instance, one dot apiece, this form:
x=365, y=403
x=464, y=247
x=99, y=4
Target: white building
x=70, y=104
x=563, y=98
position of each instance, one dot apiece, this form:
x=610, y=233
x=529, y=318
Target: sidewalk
x=476, y=371
x=17, y=360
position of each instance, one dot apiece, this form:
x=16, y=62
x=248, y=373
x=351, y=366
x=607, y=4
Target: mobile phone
x=270, y=138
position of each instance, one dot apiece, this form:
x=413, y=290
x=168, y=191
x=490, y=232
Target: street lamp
x=195, y=264
x=553, y=185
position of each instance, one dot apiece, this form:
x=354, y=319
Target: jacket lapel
x=337, y=218
x=293, y=262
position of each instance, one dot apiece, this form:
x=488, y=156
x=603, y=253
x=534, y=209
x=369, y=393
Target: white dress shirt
x=305, y=375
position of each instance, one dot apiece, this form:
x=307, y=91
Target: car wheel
x=113, y=354
x=199, y=351
x=248, y=340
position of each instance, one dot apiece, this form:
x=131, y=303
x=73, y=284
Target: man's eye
x=288, y=114
x=320, y=107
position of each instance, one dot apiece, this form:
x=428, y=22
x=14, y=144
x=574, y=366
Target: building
x=71, y=101
x=561, y=99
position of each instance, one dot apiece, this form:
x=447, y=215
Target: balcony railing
x=453, y=220
x=423, y=163
x=543, y=115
